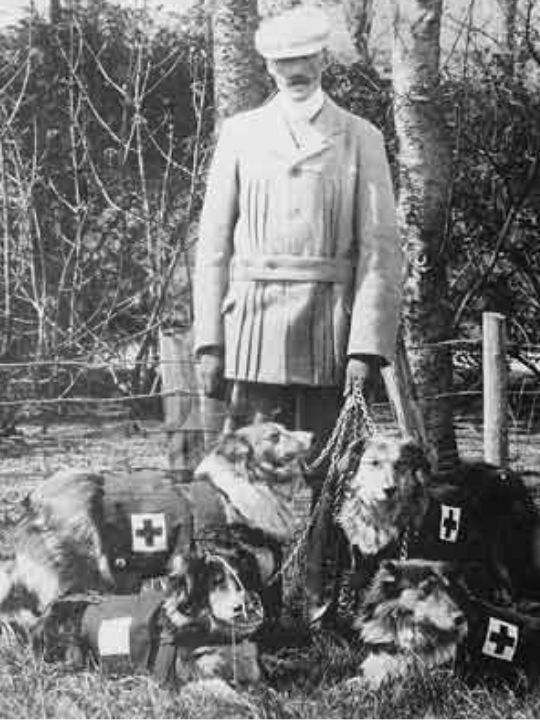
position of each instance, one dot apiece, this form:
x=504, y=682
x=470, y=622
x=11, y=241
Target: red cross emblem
x=501, y=640
x=449, y=527
x=148, y=532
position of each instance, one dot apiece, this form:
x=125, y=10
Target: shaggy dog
x=386, y=494
x=477, y=516
x=194, y=616
x=106, y=532
x=408, y=618
x=478, y=519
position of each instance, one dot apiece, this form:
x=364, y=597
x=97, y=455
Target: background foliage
x=105, y=126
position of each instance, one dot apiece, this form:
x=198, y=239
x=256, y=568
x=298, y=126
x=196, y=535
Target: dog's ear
x=259, y=418
x=389, y=572
x=235, y=448
x=413, y=456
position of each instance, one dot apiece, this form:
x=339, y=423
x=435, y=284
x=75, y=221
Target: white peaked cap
x=293, y=33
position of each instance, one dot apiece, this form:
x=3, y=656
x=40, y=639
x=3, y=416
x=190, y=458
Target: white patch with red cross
x=501, y=639
x=114, y=636
x=449, y=527
x=148, y=532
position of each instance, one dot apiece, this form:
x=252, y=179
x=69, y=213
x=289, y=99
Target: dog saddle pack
x=144, y=520
x=480, y=519
x=124, y=633
x=501, y=641
x=118, y=631
x=147, y=519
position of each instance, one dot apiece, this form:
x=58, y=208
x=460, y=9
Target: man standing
x=298, y=271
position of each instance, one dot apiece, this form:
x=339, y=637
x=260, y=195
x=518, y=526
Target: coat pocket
x=228, y=304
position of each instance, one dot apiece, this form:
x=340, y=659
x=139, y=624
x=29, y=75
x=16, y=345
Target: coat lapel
x=280, y=138
x=327, y=124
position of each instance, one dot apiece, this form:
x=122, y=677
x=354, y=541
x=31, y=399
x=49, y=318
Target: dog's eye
x=273, y=436
x=218, y=581
x=428, y=586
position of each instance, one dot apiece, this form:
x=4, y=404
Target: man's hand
x=361, y=372
x=211, y=370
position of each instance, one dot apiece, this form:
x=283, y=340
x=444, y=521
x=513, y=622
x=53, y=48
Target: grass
x=302, y=683
x=30, y=688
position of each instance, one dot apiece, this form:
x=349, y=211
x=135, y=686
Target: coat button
x=295, y=171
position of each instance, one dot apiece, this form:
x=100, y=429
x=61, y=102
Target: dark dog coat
x=145, y=521
x=148, y=520
x=126, y=633
x=480, y=519
x=116, y=630
x=501, y=641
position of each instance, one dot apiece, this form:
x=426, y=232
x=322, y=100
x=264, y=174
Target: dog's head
x=386, y=493
x=410, y=610
x=271, y=451
x=206, y=585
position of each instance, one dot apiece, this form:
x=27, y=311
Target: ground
x=307, y=682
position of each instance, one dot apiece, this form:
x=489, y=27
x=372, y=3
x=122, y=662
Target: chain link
x=353, y=419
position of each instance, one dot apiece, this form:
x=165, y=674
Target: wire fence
x=82, y=410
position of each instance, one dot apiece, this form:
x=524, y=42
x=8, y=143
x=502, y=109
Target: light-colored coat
x=298, y=262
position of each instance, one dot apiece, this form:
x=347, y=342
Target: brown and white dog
x=409, y=619
x=394, y=505
x=476, y=518
x=386, y=494
x=193, y=618
x=84, y=531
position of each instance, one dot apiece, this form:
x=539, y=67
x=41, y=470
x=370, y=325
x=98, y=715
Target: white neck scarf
x=303, y=110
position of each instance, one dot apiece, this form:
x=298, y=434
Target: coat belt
x=294, y=268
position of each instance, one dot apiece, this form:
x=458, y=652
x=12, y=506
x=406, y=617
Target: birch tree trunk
x=359, y=17
x=239, y=84
x=238, y=68
x=424, y=172
x=55, y=12
x=268, y=8
x=508, y=9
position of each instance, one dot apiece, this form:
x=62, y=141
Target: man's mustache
x=298, y=80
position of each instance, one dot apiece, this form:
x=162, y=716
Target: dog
x=476, y=515
x=106, y=532
x=192, y=619
x=480, y=517
x=386, y=494
x=409, y=618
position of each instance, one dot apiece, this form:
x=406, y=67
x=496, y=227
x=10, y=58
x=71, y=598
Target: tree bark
x=509, y=17
x=424, y=173
x=238, y=69
x=267, y=8
x=55, y=12
x=359, y=17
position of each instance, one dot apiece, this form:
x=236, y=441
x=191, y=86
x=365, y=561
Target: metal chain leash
x=353, y=418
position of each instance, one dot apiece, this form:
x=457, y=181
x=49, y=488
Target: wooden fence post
x=402, y=395
x=191, y=420
x=495, y=377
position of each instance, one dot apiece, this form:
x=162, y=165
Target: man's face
x=297, y=77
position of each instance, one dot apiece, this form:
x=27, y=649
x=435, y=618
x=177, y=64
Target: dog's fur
x=61, y=543
x=57, y=543
x=201, y=608
x=393, y=508
x=408, y=619
x=496, y=551
x=393, y=499
x=386, y=493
